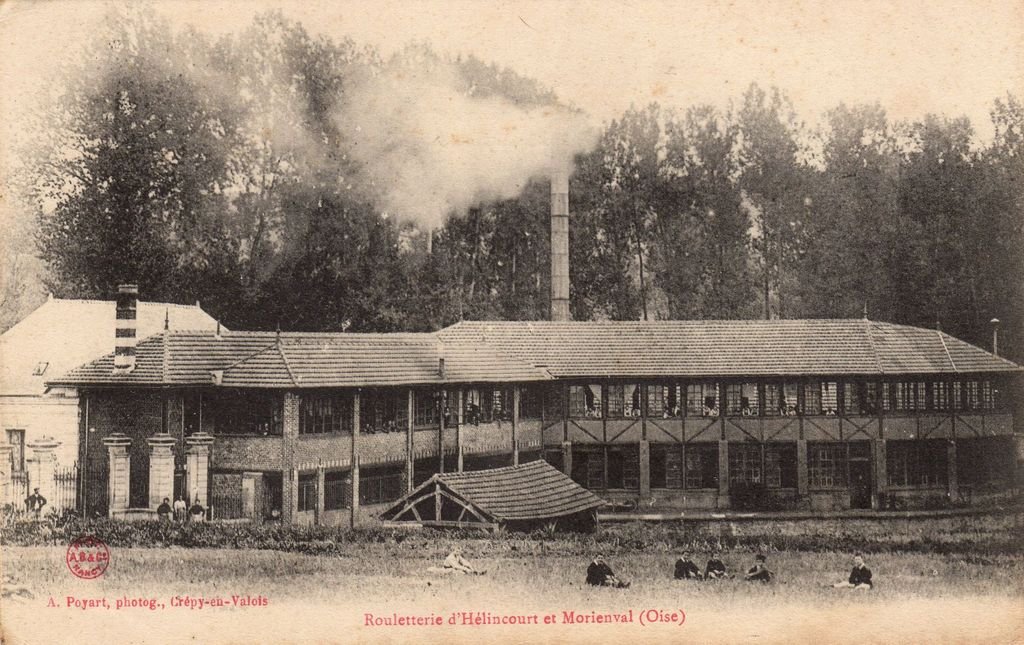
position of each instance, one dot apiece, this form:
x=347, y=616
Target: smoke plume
x=432, y=148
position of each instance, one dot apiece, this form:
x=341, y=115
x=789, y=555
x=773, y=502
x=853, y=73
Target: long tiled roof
x=728, y=348
x=267, y=359
x=531, y=491
x=532, y=351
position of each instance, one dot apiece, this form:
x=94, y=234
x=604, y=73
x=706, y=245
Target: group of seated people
x=600, y=574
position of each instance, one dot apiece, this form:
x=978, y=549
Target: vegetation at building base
x=973, y=537
x=155, y=168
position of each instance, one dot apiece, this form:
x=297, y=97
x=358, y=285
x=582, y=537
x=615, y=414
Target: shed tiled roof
x=531, y=491
x=728, y=348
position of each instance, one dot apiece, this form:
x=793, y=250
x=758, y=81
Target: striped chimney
x=560, y=246
x=124, y=333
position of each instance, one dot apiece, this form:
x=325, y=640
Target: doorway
x=860, y=483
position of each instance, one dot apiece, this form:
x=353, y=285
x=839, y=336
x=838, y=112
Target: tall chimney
x=995, y=336
x=560, y=246
x=124, y=332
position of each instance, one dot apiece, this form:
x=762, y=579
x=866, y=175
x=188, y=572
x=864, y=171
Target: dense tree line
x=213, y=170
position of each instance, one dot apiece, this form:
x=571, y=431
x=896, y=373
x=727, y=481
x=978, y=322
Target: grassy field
x=325, y=598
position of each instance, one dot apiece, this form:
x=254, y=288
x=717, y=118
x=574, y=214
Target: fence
x=226, y=506
x=62, y=495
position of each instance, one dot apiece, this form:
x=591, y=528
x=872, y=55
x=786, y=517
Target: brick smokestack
x=560, y=246
x=125, y=330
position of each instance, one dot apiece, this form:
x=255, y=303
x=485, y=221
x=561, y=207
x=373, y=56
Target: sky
x=951, y=58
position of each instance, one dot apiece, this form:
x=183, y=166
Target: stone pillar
x=41, y=464
x=5, y=476
x=290, y=498
x=645, y=470
x=515, y=424
x=320, y=477
x=802, y=481
x=954, y=484
x=723, y=474
x=197, y=467
x=881, y=476
x=161, y=469
x=354, y=514
x=567, y=458
x=251, y=481
x=118, y=465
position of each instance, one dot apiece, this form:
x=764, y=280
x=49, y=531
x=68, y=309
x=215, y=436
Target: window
x=623, y=467
x=702, y=399
x=325, y=412
x=745, y=464
x=307, y=492
x=829, y=398
x=623, y=400
x=988, y=399
x=482, y=405
x=958, y=395
x=40, y=368
x=554, y=405
x=383, y=411
x=531, y=400
x=860, y=398
x=826, y=464
x=588, y=467
x=701, y=465
x=741, y=399
x=336, y=490
x=940, y=396
x=985, y=462
x=246, y=412
x=585, y=401
x=781, y=399
x=425, y=403
x=666, y=465
x=916, y=463
x=663, y=401
x=908, y=396
x=16, y=439
x=776, y=470
x=972, y=395
x=812, y=398
x=380, y=485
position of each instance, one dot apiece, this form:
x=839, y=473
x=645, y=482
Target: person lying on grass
x=860, y=576
x=715, y=569
x=686, y=569
x=760, y=571
x=456, y=562
x=599, y=574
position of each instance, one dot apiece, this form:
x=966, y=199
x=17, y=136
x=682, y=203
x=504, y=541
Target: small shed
x=520, y=497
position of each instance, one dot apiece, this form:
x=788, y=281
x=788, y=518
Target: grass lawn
x=918, y=597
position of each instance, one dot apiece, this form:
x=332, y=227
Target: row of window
x=774, y=464
x=786, y=398
x=387, y=410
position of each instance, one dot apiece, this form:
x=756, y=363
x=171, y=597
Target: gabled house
x=58, y=336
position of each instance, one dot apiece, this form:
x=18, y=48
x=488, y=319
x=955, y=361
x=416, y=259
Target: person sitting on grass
x=455, y=562
x=687, y=569
x=715, y=569
x=760, y=571
x=599, y=574
x=860, y=576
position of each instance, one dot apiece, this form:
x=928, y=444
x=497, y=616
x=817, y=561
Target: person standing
x=180, y=509
x=860, y=576
x=164, y=510
x=34, y=503
x=196, y=512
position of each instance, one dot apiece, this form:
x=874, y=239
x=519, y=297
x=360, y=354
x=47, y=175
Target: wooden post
x=320, y=480
x=460, y=421
x=954, y=484
x=645, y=470
x=439, y=404
x=410, y=463
x=802, y=479
x=353, y=516
x=515, y=424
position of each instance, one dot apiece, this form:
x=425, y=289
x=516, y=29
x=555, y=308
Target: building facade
x=665, y=416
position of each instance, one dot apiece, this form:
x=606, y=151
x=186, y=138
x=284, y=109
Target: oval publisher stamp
x=87, y=557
